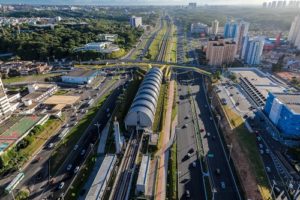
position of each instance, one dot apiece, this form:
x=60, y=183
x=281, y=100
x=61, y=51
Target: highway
x=37, y=173
x=214, y=148
x=189, y=178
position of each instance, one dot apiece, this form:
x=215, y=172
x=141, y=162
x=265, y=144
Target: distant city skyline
x=132, y=2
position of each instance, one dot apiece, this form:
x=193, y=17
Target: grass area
x=37, y=77
x=61, y=92
x=158, y=119
x=248, y=143
x=156, y=43
x=172, y=46
x=66, y=145
x=172, y=174
x=50, y=127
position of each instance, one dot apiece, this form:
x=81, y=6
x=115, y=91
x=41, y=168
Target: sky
x=133, y=2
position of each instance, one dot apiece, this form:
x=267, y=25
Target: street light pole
x=230, y=146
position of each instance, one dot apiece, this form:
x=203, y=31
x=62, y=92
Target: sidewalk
x=160, y=193
x=103, y=138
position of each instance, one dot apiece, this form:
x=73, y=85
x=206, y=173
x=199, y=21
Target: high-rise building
x=236, y=30
x=215, y=27
x=192, y=5
x=136, y=21
x=243, y=32
x=253, y=49
x=274, y=4
x=294, y=34
x=231, y=30
x=265, y=4
x=220, y=51
x=5, y=107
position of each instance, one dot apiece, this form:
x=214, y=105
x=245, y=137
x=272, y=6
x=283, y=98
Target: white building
x=38, y=93
x=136, y=21
x=199, y=28
x=80, y=77
x=5, y=107
x=215, y=27
x=294, y=34
x=118, y=138
x=102, y=47
x=142, y=181
x=108, y=37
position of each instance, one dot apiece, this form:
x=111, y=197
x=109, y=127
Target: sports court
x=15, y=128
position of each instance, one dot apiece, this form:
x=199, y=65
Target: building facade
x=199, y=28
x=215, y=27
x=231, y=30
x=252, y=50
x=5, y=107
x=294, y=34
x=220, y=51
x=136, y=21
x=283, y=110
x=80, y=77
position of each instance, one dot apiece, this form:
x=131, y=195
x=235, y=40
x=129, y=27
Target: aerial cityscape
x=148, y=99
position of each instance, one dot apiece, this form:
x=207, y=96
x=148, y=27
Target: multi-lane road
x=222, y=177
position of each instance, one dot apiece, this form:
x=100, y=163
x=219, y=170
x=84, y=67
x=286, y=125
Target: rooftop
x=81, y=73
x=62, y=99
x=264, y=82
x=291, y=100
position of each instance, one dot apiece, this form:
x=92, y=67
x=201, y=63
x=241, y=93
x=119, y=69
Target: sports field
x=16, y=127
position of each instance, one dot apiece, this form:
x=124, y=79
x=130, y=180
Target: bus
x=13, y=184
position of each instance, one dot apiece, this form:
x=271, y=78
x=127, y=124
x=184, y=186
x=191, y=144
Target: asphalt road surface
x=213, y=149
x=189, y=177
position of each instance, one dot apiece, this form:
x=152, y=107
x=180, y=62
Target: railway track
x=164, y=44
x=122, y=186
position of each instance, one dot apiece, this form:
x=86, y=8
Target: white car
x=76, y=169
x=61, y=185
x=194, y=164
x=75, y=147
x=69, y=167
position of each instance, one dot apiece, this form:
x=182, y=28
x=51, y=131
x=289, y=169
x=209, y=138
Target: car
x=231, y=95
x=268, y=169
x=218, y=171
x=237, y=104
x=267, y=151
x=69, y=167
x=208, y=134
x=186, y=117
x=245, y=116
x=261, y=146
x=76, y=169
x=191, y=150
x=258, y=138
x=82, y=152
x=61, y=185
x=194, y=164
x=189, y=155
x=75, y=147
x=201, y=130
x=184, y=126
x=223, y=186
x=261, y=151
x=187, y=194
x=211, y=118
x=50, y=145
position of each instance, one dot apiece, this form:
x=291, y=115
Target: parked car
x=75, y=147
x=50, y=145
x=223, y=185
x=76, y=169
x=187, y=194
x=82, y=152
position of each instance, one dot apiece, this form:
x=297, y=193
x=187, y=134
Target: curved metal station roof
x=145, y=101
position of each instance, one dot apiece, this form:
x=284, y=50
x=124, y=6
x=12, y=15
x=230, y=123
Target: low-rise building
x=38, y=92
x=108, y=37
x=142, y=181
x=101, y=47
x=200, y=28
x=80, y=77
x=5, y=107
x=283, y=109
